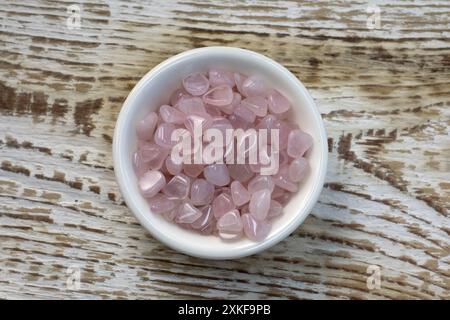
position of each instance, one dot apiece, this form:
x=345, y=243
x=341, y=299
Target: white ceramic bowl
x=154, y=89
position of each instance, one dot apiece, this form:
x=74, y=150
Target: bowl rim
x=182, y=247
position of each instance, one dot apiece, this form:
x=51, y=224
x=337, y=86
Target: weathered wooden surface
x=384, y=95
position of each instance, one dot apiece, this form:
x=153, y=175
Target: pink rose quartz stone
x=151, y=183
x=239, y=194
x=255, y=230
x=222, y=204
x=218, y=198
x=260, y=204
x=196, y=84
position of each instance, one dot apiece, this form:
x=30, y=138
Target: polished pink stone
x=196, y=84
x=170, y=215
x=163, y=135
x=219, y=77
x=153, y=155
x=240, y=172
x=192, y=105
x=202, y=192
x=177, y=95
x=238, y=122
x=230, y=225
x=193, y=170
x=275, y=209
x=172, y=167
x=217, y=174
x=239, y=193
x=255, y=230
x=222, y=204
x=245, y=113
x=213, y=111
x=229, y=109
x=284, y=131
x=259, y=183
x=178, y=187
x=171, y=115
x=206, y=219
x=146, y=126
x=278, y=104
x=260, y=204
x=199, y=121
x=161, y=203
x=298, y=169
x=282, y=180
x=268, y=122
x=298, y=143
x=187, y=213
x=257, y=104
x=219, y=96
x=151, y=183
x=239, y=80
x=222, y=124
x=254, y=86
x=139, y=165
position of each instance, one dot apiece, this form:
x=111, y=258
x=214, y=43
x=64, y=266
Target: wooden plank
x=383, y=93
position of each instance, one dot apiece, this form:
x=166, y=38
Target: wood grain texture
x=384, y=95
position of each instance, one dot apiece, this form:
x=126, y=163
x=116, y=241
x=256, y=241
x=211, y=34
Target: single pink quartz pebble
x=229, y=109
x=219, y=77
x=284, y=131
x=201, y=121
x=171, y=115
x=202, y=192
x=237, y=122
x=193, y=170
x=222, y=204
x=282, y=180
x=192, y=105
x=254, y=86
x=178, y=187
x=151, y=183
x=217, y=174
x=196, y=84
x=163, y=135
x=213, y=111
x=245, y=113
x=257, y=104
x=298, y=143
x=240, y=172
x=187, y=213
x=260, y=204
x=161, y=203
x=170, y=215
x=219, y=96
x=153, y=155
x=239, y=194
x=139, y=165
x=146, y=126
x=205, y=219
x=255, y=230
x=177, y=95
x=275, y=209
x=172, y=167
x=230, y=225
x=259, y=183
x=298, y=169
x=239, y=80
x=278, y=104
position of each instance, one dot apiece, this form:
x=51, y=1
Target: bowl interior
x=155, y=89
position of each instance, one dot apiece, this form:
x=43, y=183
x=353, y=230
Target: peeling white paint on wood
x=384, y=95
